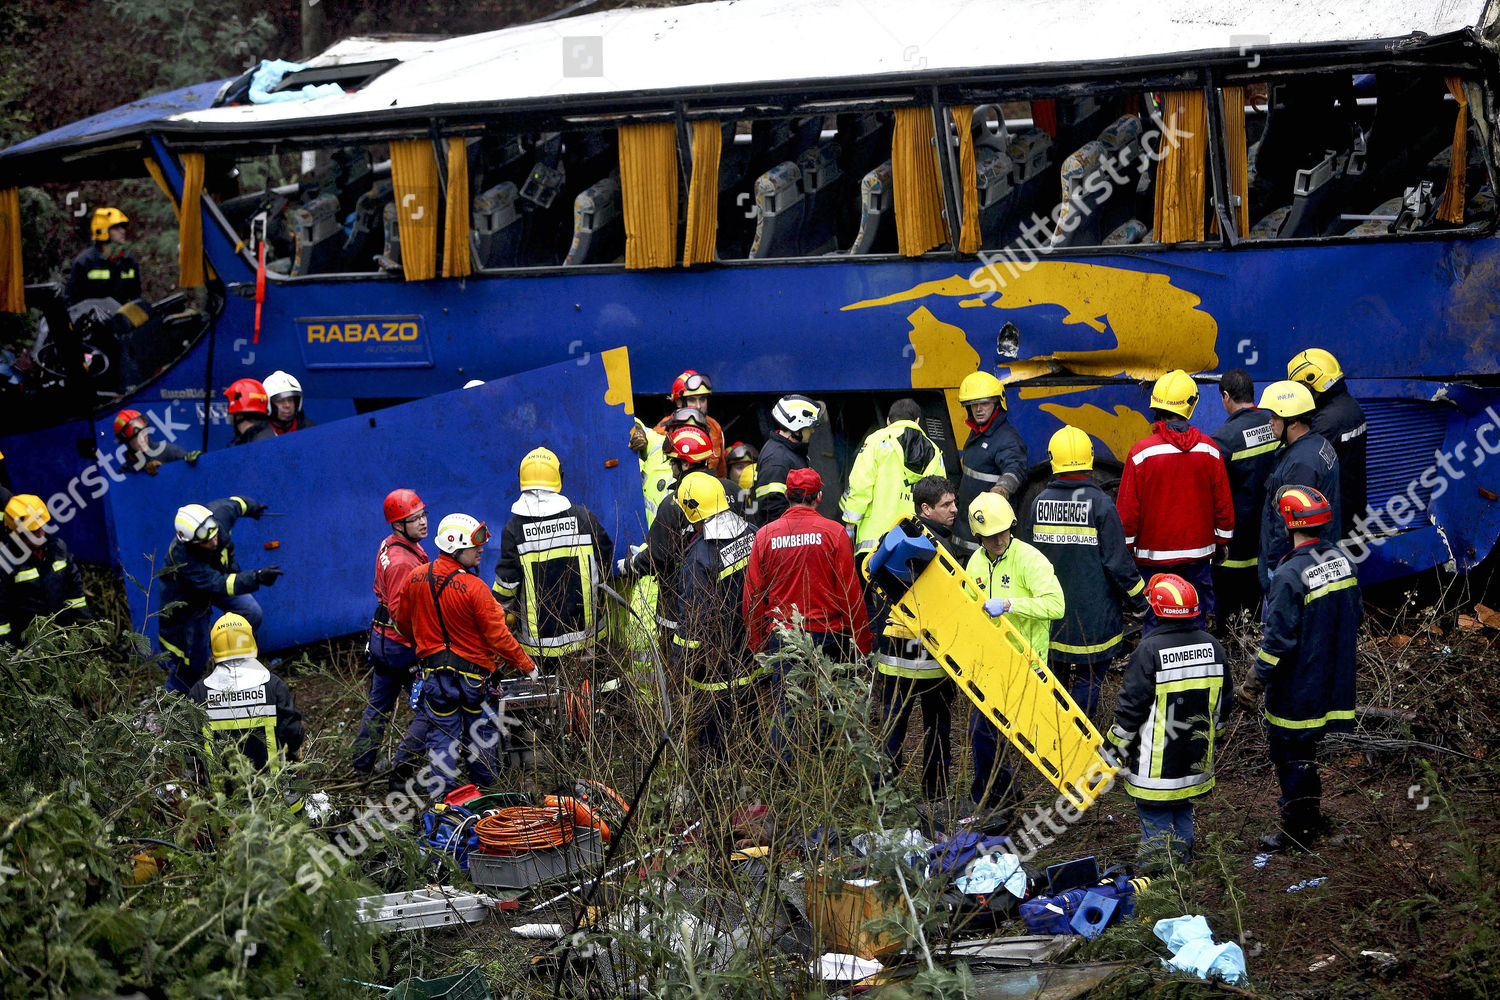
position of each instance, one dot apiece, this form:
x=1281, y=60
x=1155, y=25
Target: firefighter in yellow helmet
x=38, y=577
x=553, y=554
x=246, y=704
x=994, y=455
x=105, y=270
x=1306, y=459
x=1341, y=421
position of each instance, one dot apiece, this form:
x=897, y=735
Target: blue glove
x=997, y=606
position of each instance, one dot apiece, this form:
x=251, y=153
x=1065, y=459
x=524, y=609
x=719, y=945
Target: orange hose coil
x=517, y=829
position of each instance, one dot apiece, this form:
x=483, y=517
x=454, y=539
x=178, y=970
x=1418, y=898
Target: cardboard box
x=839, y=910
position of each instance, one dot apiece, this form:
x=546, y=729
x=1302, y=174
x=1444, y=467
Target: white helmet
x=279, y=383
x=795, y=413
x=195, y=523
x=460, y=531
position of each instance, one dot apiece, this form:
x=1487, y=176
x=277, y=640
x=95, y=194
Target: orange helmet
x=129, y=423
x=690, y=445
x=1303, y=507
x=691, y=383
x=247, y=396
x=1170, y=596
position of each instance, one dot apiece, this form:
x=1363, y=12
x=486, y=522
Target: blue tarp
x=460, y=451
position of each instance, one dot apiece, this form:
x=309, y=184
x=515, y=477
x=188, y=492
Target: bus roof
x=738, y=47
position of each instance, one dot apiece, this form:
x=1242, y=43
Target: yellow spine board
x=996, y=668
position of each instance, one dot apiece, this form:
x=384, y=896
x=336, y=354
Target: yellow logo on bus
x=360, y=332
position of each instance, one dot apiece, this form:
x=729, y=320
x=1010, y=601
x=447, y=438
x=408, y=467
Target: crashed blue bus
x=854, y=200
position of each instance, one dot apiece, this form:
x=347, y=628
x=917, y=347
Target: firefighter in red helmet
x=249, y=411
x=692, y=389
x=133, y=430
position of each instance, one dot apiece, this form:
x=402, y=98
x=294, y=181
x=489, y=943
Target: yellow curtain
x=1239, y=161
x=1452, y=208
x=456, y=257
x=648, y=191
x=1180, y=169
x=968, y=180
x=190, y=223
x=703, y=194
x=414, y=176
x=154, y=169
x=915, y=183
x=12, y=280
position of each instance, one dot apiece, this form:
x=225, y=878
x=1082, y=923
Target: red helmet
x=1303, y=507
x=1170, y=596
x=247, y=396
x=129, y=423
x=401, y=504
x=742, y=452
x=691, y=383
x=691, y=445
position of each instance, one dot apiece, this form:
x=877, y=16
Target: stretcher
x=990, y=661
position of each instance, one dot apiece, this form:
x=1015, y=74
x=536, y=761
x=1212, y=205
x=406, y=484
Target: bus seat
x=496, y=226
x=876, y=234
x=993, y=175
x=355, y=175
x=1127, y=233
x=598, y=225
x=1080, y=203
x=1314, y=197
x=1390, y=208
x=822, y=190
x=390, y=260
x=1121, y=140
x=367, y=237
x=1030, y=155
x=1270, y=226
x=318, y=236
x=780, y=209
x=989, y=129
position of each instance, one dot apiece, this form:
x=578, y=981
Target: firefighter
x=656, y=468
x=284, y=395
x=908, y=673
x=393, y=661
x=740, y=459
x=1307, y=661
x=886, y=466
x=202, y=573
x=133, y=430
x=713, y=588
x=1016, y=581
x=245, y=702
x=1306, y=459
x=40, y=578
x=553, y=555
x=1075, y=525
x=460, y=636
x=802, y=574
x=994, y=456
x=689, y=450
x=105, y=270
x=1173, y=704
x=1341, y=421
x=1174, y=497
x=796, y=418
x=249, y=411
x=1249, y=447
x=692, y=389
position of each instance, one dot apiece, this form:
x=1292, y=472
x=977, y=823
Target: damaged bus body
x=855, y=200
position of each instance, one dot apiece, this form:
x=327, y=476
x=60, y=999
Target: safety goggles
x=208, y=529
x=479, y=535
x=133, y=428
x=697, y=383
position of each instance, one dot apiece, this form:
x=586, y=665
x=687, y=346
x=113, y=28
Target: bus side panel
x=50, y=464
x=459, y=450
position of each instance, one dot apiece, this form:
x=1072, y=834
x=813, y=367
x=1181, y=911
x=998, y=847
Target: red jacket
x=475, y=621
x=804, y=562
x=393, y=564
x=1174, y=496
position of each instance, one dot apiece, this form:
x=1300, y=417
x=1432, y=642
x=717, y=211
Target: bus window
x=1358, y=154
x=324, y=210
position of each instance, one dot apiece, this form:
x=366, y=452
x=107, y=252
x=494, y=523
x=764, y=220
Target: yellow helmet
x=978, y=386
x=540, y=470
x=1175, y=392
x=104, y=220
x=701, y=496
x=1287, y=399
x=231, y=638
x=26, y=512
x=1070, y=450
x=747, y=477
x=1316, y=367
x=990, y=514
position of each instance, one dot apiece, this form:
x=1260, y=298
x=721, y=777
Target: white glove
x=997, y=606
x=622, y=566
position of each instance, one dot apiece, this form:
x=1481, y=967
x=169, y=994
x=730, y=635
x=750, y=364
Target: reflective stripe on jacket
x=1249, y=448
x=553, y=554
x=994, y=455
x=1309, y=640
x=1174, y=497
x=46, y=582
x=1026, y=577
x=1308, y=461
x=880, y=482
